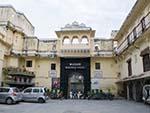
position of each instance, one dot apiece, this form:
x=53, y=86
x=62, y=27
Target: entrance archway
x=75, y=83
x=71, y=71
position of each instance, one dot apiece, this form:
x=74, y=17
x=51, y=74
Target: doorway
x=75, y=75
x=75, y=83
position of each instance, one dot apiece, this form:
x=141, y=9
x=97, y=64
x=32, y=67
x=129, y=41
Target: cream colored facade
x=143, y=41
x=18, y=45
x=133, y=44
x=23, y=46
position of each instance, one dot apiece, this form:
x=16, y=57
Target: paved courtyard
x=77, y=106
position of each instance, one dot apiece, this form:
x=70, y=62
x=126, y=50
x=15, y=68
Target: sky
x=47, y=16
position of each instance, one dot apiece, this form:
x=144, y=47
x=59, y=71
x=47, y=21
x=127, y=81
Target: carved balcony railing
x=51, y=53
x=17, y=76
x=74, y=52
x=136, y=33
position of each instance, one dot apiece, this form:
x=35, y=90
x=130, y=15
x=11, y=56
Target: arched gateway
x=75, y=82
x=75, y=75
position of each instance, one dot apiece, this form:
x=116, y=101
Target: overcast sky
x=47, y=16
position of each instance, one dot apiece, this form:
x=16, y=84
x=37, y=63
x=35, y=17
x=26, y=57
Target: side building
x=133, y=51
x=14, y=26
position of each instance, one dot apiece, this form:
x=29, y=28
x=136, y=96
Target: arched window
x=75, y=40
x=66, y=40
x=84, y=40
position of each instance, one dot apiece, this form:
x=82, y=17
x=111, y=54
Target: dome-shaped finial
x=67, y=25
x=75, y=23
x=82, y=25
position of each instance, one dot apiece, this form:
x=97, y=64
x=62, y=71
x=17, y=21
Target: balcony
x=17, y=71
x=47, y=53
x=75, y=52
x=13, y=82
x=17, y=76
x=135, y=34
x=51, y=53
x=75, y=46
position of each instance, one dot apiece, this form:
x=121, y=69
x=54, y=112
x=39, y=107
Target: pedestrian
x=71, y=95
x=79, y=94
x=76, y=94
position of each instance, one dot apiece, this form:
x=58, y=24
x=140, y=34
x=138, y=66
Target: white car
x=10, y=95
x=35, y=94
x=146, y=94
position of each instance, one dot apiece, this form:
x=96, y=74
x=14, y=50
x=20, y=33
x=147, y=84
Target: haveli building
x=77, y=60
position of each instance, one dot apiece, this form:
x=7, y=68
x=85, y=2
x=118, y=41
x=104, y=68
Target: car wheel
x=9, y=101
x=41, y=100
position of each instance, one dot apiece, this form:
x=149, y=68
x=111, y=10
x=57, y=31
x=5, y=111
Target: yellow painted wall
x=18, y=42
x=12, y=62
x=109, y=72
x=42, y=71
x=134, y=54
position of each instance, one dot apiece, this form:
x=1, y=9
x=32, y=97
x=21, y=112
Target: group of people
x=76, y=94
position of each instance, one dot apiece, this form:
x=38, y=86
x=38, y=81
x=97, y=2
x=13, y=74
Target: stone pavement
x=77, y=106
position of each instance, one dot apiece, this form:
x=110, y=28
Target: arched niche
x=75, y=40
x=66, y=40
x=84, y=40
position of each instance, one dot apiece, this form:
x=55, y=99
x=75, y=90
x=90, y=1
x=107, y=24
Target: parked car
x=10, y=95
x=146, y=94
x=35, y=94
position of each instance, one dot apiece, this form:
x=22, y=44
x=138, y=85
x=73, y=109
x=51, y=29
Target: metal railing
x=18, y=82
x=34, y=52
x=18, y=71
x=138, y=30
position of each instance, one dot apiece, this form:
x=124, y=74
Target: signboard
x=98, y=74
x=74, y=66
x=55, y=83
x=95, y=83
x=53, y=74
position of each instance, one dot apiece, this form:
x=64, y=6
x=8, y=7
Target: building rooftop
x=75, y=26
x=18, y=12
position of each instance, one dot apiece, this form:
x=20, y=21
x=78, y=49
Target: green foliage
x=5, y=71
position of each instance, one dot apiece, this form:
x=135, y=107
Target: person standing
x=79, y=94
x=71, y=95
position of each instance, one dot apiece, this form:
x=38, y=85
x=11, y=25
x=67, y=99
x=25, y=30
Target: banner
x=55, y=83
x=95, y=83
